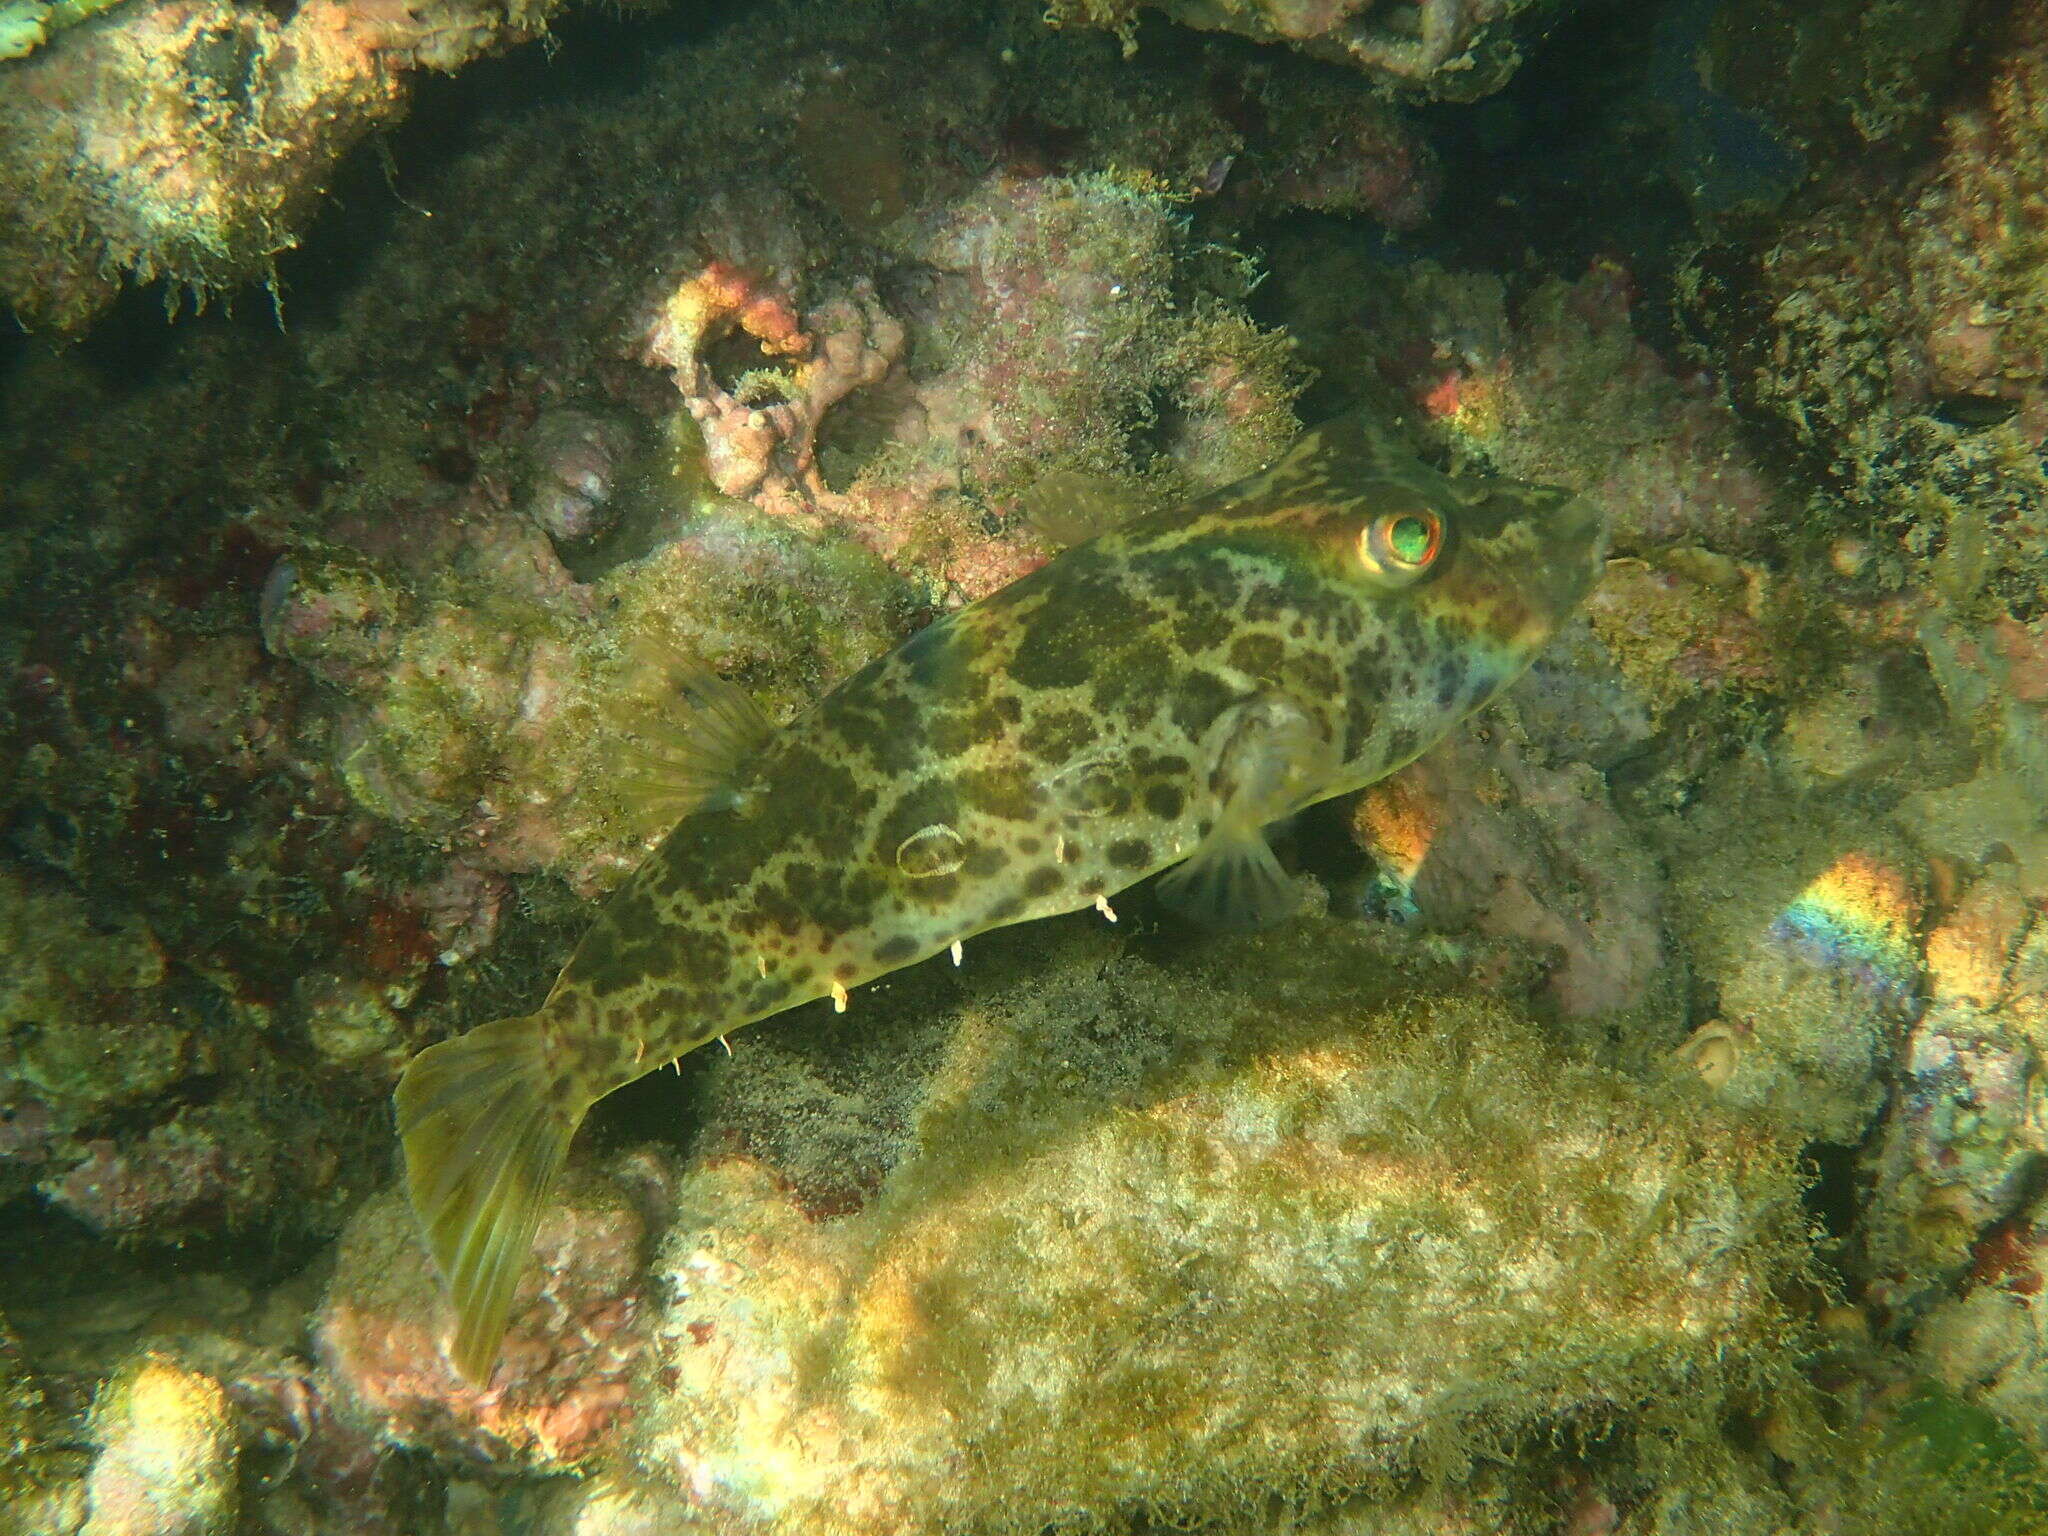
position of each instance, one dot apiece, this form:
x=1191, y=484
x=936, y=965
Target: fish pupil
x=1410, y=539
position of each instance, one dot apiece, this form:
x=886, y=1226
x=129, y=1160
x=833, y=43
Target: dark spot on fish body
x=1071, y=852
x=1407, y=630
x=1057, y=734
x=1062, y=641
x=950, y=733
x=1450, y=680
x=1043, y=881
x=1259, y=655
x=935, y=657
x=896, y=951
x=1367, y=677
x=1314, y=675
x=1198, y=698
x=1401, y=745
x=770, y=907
x=1165, y=801
x=1130, y=681
x=1361, y=714
x=985, y=862
x=1129, y=853
x=1280, y=596
x=883, y=729
x=826, y=899
x=1197, y=631
x=1051, y=660
x=1003, y=792
x=768, y=995
x=935, y=892
x=1195, y=576
x=930, y=803
x=599, y=952
x=1006, y=910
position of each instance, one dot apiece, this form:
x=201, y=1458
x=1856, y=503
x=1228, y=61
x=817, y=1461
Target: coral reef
x=1641, y=1130
x=1456, y=49
x=193, y=141
x=1239, y=1241
x=577, y=1335
x=1963, y=1143
x=166, y=1459
x=1484, y=835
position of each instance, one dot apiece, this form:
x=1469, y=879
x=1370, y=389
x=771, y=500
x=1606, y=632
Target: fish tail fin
x=485, y=1125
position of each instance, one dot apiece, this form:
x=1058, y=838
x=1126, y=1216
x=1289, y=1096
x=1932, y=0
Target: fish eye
x=1402, y=544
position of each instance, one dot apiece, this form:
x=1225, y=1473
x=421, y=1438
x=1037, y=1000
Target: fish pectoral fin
x=1271, y=757
x=1231, y=881
x=674, y=761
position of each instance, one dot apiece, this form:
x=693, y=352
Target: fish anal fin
x=485, y=1128
x=1270, y=757
x=1231, y=882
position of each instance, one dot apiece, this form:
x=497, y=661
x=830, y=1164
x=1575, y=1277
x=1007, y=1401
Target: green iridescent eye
x=1410, y=539
x=1402, y=545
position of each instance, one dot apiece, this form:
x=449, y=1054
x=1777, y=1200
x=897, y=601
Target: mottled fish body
x=1150, y=698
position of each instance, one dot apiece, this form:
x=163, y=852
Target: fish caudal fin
x=485, y=1129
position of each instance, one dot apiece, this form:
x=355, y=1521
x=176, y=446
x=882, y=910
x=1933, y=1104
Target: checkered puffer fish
x=1150, y=698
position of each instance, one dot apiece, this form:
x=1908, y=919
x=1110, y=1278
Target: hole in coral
x=1975, y=413
x=1163, y=434
x=744, y=369
x=857, y=429
x=1832, y=1196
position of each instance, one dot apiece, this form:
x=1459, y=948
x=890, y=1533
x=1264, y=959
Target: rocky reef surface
x=1642, y=1128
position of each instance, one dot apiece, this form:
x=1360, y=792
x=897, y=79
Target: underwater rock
x=204, y=1170
x=1054, y=319
x=757, y=374
x=41, y=1490
x=1480, y=833
x=1690, y=628
x=167, y=1453
x=577, y=1336
x=1917, y=399
x=1153, y=1235
x=1563, y=392
x=1842, y=73
x=1458, y=50
x=576, y=456
x=1988, y=1339
x=89, y=1029
x=1803, y=916
x=1966, y=1135
x=193, y=140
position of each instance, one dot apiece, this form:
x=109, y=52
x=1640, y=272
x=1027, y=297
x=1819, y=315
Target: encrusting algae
x=1158, y=694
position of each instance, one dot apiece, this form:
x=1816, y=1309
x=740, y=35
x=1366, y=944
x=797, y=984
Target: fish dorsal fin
x=1270, y=757
x=1071, y=506
x=1351, y=448
x=691, y=749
